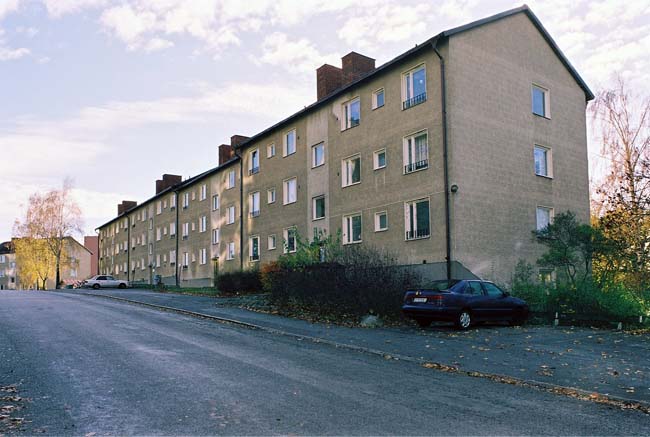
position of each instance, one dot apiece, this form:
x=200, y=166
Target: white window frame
x=232, y=180
x=285, y=144
x=549, y=161
x=172, y=257
x=172, y=229
x=407, y=219
x=375, y=159
x=186, y=259
x=172, y=201
x=547, y=100
x=347, y=228
x=313, y=207
x=203, y=223
x=215, y=236
x=230, y=251
x=285, y=235
x=378, y=215
x=158, y=233
x=346, y=114
x=253, y=155
x=159, y=207
x=374, y=98
x=270, y=195
x=407, y=84
x=287, y=199
x=270, y=150
x=346, y=173
x=203, y=256
x=252, y=197
x=185, y=231
x=314, y=163
x=204, y=192
x=186, y=200
x=215, y=202
x=271, y=242
x=250, y=248
x=230, y=215
x=551, y=215
x=409, y=151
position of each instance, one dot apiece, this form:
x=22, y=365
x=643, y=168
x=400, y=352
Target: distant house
x=7, y=266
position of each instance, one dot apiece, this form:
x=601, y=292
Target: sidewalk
x=606, y=362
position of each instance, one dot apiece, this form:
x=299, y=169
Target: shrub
x=243, y=281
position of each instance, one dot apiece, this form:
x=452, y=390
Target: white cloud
x=8, y=6
x=30, y=32
x=58, y=8
x=157, y=44
x=8, y=53
x=293, y=55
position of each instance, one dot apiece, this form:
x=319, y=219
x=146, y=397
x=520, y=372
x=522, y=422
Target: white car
x=105, y=281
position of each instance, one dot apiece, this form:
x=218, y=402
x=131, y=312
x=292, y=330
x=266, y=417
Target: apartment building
x=8, y=279
x=448, y=155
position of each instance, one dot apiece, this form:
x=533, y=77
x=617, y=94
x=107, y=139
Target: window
x=151, y=224
x=270, y=151
x=193, y=195
x=318, y=207
x=254, y=162
x=289, y=192
x=172, y=201
x=231, y=179
x=540, y=102
x=544, y=217
x=381, y=221
x=158, y=260
x=186, y=230
x=186, y=200
x=143, y=239
x=230, y=215
x=271, y=242
x=416, y=152
x=270, y=195
x=172, y=229
x=254, y=204
x=352, y=229
x=379, y=159
x=204, y=192
x=318, y=155
x=193, y=226
x=203, y=256
x=254, y=248
x=289, y=143
x=186, y=259
x=492, y=290
x=543, y=162
x=215, y=236
x=351, y=113
x=230, y=253
x=215, y=202
x=172, y=257
x=158, y=234
x=414, y=87
x=416, y=219
x=378, y=99
x=203, y=224
x=289, y=240
x=351, y=171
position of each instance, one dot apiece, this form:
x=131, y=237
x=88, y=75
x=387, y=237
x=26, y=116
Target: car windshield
x=442, y=285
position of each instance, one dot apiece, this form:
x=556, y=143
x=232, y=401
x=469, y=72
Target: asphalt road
x=95, y=366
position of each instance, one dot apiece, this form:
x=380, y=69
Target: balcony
x=417, y=165
x=417, y=234
x=255, y=213
x=414, y=101
x=253, y=171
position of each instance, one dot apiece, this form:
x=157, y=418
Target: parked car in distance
x=464, y=302
x=105, y=281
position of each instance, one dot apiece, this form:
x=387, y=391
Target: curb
x=577, y=393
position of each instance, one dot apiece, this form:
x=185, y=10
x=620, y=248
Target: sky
x=114, y=93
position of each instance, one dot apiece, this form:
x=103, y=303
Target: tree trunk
x=58, y=275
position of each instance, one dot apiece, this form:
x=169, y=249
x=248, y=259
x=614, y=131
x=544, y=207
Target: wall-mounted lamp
x=454, y=188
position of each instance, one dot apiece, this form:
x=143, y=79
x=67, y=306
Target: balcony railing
x=255, y=213
x=417, y=165
x=418, y=233
x=253, y=170
x=413, y=101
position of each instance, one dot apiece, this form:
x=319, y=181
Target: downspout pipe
x=445, y=156
x=241, y=209
x=176, y=265
x=128, y=248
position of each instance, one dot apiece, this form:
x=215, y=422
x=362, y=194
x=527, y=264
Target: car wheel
x=423, y=323
x=464, y=320
x=96, y=286
x=122, y=285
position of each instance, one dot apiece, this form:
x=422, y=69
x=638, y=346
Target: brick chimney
x=355, y=65
x=226, y=152
x=125, y=206
x=237, y=140
x=328, y=79
x=168, y=180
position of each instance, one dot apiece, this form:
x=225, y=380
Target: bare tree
x=51, y=217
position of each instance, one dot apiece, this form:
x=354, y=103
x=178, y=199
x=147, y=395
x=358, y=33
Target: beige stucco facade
x=490, y=70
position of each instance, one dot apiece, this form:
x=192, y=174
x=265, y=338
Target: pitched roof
x=426, y=45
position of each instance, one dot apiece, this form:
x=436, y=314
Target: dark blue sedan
x=463, y=302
